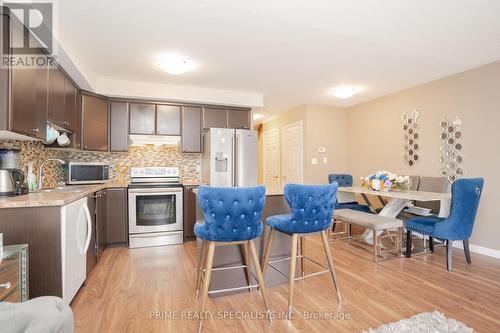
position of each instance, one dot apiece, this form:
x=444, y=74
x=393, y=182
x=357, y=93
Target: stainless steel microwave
x=86, y=172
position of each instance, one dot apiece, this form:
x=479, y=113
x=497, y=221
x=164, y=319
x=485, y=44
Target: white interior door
x=293, y=159
x=272, y=160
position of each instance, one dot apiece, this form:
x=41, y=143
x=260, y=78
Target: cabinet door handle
x=36, y=130
x=6, y=285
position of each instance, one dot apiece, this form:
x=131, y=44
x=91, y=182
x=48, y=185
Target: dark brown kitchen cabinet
x=28, y=87
x=70, y=114
x=189, y=212
x=29, y=102
x=168, y=119
x=118, y=126
x=61, y=100
x=239, y=119
x=116, y=216
x=56, y=109
x=214, y=117
x=142, y=118
x=100, y=222
x=77, y=131
x=191, y=129
x=92, y=250
x=94, y=123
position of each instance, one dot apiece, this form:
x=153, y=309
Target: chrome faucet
x=40, y=170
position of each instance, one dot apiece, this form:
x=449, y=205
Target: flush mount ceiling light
x=175, y=65
x=343, y=92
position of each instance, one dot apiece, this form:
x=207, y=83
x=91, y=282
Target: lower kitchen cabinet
x=92, y=250
x=189, y=212
x=100, y=222
x=116, y=216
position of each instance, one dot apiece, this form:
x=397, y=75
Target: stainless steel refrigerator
x=229, y=157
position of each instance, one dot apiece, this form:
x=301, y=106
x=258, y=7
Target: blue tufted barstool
x=312, y=208
x=232, y=217
x=465, y=196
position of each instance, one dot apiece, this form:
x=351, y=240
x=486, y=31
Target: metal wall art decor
x=410, y=127
x=451, y=149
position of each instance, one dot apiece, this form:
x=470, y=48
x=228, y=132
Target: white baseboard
x=478, y=249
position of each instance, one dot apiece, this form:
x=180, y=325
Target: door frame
x=301, y=150
x=264, y=139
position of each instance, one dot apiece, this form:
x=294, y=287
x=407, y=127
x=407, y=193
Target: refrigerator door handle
x=236, y=151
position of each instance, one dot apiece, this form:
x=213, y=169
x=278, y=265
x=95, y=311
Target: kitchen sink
x=64, y=189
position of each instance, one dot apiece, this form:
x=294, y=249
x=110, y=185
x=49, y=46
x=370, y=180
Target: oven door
x=155, y=209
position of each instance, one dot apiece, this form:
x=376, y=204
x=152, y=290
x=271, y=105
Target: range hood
x=157, y=140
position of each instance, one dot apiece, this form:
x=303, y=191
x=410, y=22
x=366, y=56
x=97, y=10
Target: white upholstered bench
x=372, y=222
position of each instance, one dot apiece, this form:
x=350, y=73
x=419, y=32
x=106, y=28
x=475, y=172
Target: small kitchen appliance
x=11, y=176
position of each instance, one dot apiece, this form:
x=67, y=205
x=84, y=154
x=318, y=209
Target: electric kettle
x=11, y=181
x=11, y=177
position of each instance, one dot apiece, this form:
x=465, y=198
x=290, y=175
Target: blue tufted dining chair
x=232, y=217
x=465, y=196
x=312, y=208
x=345, y=180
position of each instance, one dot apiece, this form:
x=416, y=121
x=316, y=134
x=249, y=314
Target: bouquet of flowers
x=386, y=181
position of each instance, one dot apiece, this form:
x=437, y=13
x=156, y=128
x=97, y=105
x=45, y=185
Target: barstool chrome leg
x=330, y=262
x=260, y=277
x=201, y=260
x=293, y=261
x=267, y=251
x=206, y=282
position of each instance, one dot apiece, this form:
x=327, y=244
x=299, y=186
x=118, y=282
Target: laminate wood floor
x=136, y=290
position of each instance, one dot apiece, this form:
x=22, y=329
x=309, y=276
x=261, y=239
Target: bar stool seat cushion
x=312, y=208
x=231, y=214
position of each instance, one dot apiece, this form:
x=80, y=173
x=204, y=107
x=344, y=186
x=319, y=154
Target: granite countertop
x=56, y=198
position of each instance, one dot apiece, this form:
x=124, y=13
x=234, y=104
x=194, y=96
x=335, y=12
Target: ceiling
x=292, y=52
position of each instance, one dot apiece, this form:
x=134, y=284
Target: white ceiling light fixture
x=175, y=65
x=343, y=92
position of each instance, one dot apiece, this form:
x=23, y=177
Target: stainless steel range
x=155, y=207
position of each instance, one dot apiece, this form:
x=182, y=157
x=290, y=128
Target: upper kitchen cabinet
x=94, y=122
x=61, y=100
x=168, y=119
x=29, y=101
x=191, y=129
x=70, y=105
x=27, y=92
x=214, y=117
x=118, y=125
x=142, y=118
x=56, y=109
x=239, y=119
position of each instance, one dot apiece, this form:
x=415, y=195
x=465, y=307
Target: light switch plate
x=314, y=161
x=325, y=160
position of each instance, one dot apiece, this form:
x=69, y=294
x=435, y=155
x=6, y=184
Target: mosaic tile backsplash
x=137, y=156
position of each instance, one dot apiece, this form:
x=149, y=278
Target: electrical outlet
x=325, y=160
x=314, y=161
